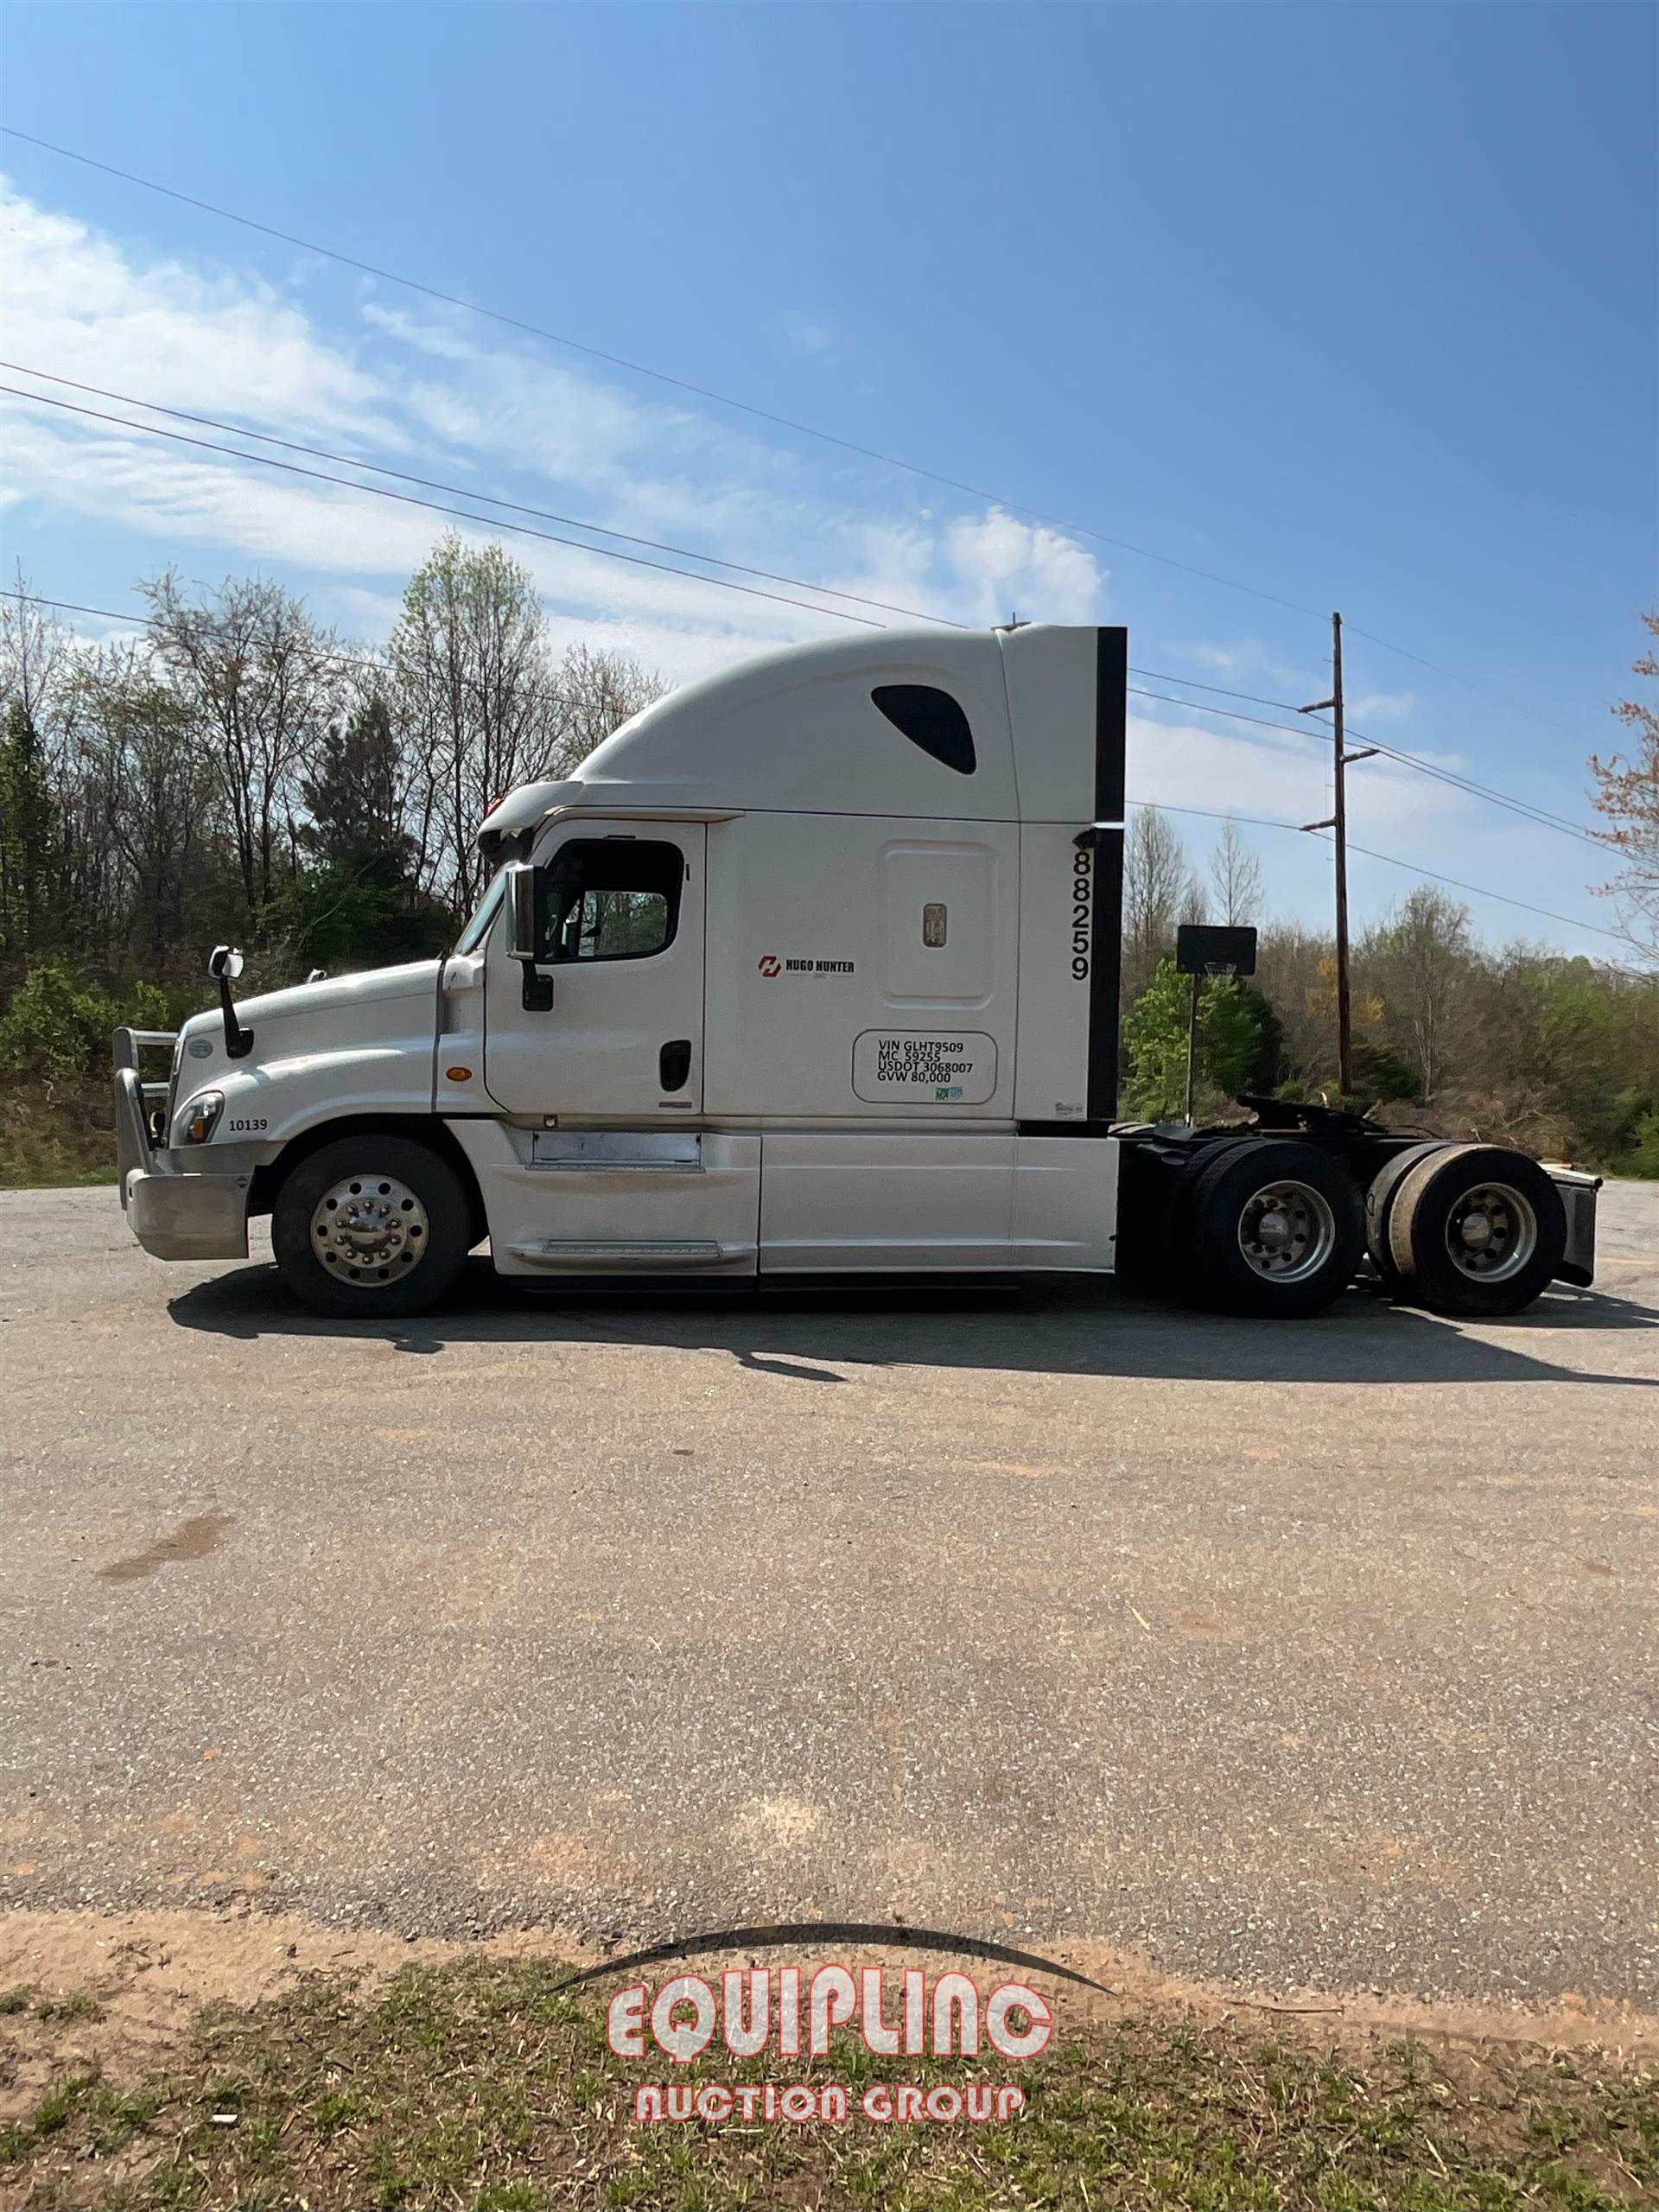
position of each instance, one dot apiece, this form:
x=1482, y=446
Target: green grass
x=483, y=2086
x=55, y=1135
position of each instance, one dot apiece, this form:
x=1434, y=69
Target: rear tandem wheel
x=1274, y=1229
x=1474, y=1229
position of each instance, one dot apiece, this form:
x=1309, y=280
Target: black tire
x=1154, y=1236
x=1478, y=1280
x=1379, y=1205
x=411, y=1201
x=1228, y=1221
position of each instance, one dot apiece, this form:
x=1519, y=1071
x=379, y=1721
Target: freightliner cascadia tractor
x=811, y=969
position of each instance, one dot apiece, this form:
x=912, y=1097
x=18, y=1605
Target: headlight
x=197, y=1122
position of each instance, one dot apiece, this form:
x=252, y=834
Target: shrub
x=57, y=1029
x=1642, y=1158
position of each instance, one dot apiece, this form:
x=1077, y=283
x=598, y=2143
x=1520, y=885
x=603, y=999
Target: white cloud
x=1002, y=561
x=1380, y=706
x=76, y=307
x=809, y=335
x=500, y=416
x=1280, y=779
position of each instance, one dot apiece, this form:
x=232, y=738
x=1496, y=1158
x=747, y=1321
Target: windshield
x=512, y=849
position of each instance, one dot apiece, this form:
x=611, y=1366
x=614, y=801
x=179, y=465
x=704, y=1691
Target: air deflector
x=931, y=718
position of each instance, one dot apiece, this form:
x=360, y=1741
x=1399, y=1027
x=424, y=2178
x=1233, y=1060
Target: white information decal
x=953, y=1067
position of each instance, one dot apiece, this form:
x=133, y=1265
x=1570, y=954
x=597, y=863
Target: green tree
x=356, y=900
x=354, y=797
x=26, y=827
x=1382, y=1077
x=1642, y=1158
x=1421, y=961
x=1237, y=1041
x=471, y=682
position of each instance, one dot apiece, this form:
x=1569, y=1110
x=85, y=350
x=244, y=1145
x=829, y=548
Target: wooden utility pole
x=1338, y=823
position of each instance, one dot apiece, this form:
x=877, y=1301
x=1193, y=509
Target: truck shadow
x=1100, y=1329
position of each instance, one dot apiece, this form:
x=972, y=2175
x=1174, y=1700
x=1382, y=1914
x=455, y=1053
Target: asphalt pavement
x=1319, y=1655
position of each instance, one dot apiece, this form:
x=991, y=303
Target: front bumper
x=178, y=1217
x=174, y=1212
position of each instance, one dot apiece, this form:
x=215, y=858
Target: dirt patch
x=119, y=1991
x=176, y=2061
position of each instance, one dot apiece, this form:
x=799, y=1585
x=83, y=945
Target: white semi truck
x=813, y=969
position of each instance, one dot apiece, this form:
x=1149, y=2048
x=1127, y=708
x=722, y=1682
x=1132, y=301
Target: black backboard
x=1205, y=949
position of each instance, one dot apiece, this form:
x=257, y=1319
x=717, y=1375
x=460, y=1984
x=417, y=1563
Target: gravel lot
x=1315, y=1655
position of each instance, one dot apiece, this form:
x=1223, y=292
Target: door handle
x=674, y=1064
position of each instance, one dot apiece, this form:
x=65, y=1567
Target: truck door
x=620, y=928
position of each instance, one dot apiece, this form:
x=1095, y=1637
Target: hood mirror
x=224, y=965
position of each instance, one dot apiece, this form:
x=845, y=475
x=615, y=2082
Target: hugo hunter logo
x=770, y=965
x=793, y=2013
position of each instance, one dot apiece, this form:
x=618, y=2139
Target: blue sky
x=1353, y=304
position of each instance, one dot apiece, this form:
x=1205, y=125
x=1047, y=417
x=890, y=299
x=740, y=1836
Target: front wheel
x=1275, y=1229
x=371, y=1225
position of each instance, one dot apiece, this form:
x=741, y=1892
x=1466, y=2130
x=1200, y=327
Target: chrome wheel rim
x=1492, y=1232
x=1287, y=1231
x=369, y=1230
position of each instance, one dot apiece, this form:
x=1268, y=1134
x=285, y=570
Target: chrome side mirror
x=521, y=911
x=522, y=903
x=225, y=961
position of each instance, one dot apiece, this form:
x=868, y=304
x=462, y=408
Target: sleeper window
x=611, y=899
x=931, y=718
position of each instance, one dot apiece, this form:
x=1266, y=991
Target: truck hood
x=380, y=1006
x=343, y=993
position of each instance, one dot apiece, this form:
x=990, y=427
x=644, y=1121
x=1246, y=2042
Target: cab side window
x=611, y=899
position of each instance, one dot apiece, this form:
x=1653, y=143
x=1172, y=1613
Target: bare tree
x=1627, y=793
x=597, y=690
x=1421, y=961
x=1237, y=875
x=149, y=803
x=1296, y=972
x=1155, y=879
x=36, y=655
x=258, y=681
x=472, y=697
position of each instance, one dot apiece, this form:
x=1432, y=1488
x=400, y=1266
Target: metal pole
x=1191, y=1048
x=1344, y=1001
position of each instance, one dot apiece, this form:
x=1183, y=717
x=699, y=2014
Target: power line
x=408, y=499
x=1394, y=753
x=640, y=368
x=1539, y=815
x=1450, y=776
x=1411, y=867
x=1293, y=730
x=1479, y=890
x=1203, y=813
x=1546, y=722
x=747, y=407
x=1524, y=808
x=466, y=492
x=1444, y=775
